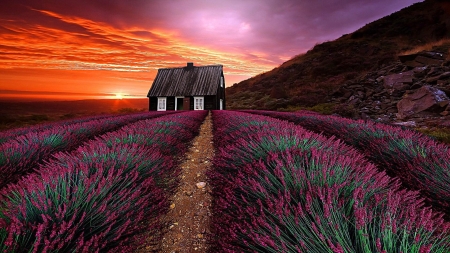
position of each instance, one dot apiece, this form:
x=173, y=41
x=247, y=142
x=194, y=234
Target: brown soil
x=189, y=215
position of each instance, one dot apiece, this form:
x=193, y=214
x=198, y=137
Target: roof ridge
x=214, y=65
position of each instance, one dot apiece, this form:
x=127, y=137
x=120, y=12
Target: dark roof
x=187, y=81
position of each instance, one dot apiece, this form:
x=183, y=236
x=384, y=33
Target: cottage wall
x=153, y=103
x=189, y=82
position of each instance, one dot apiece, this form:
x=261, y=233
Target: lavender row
x=13, y=133
x=280, y=188
x=419, y=161
x=105, y=196
x=19, y=156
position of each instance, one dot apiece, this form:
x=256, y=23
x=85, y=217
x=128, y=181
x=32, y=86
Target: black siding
x=210, y=102
x=153, y=103
x=170, y=106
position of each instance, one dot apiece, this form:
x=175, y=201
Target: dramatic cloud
x=67, y=46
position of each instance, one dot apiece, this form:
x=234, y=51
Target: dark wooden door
x=186, y=103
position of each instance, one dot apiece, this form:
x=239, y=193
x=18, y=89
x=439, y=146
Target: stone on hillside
x=428, y=61
x=406, y=123
x=421, y=100
x=444, y=75
x=400, y=81
x=432, y=79
x=420, y=72
x=422, y=59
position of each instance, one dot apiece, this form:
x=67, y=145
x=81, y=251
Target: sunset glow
x=89, y=49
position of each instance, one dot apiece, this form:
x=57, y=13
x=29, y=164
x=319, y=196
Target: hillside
x=310, y=79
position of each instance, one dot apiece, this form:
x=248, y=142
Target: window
x=221, y=104
x=221, y=81
x=162, y=104
x=198, y=103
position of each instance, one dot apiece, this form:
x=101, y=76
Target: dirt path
x=190, y=206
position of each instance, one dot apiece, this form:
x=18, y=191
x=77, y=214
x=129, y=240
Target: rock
x=444, y=75
x=200, y=185
x=434, y=71
x=406, y=123
x=420, y=72
x=419, y=101
x=421, y=59
x=428, y=61
x=400, y=81
x=416, y=86
x=432, y=80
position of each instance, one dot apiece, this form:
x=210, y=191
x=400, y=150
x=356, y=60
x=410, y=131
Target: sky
x=99, y=48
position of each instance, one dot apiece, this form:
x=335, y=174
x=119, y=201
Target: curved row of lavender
x=19, y=156
x=105, y=196
x=280, y=188
x=13, y=133
x=420, y=162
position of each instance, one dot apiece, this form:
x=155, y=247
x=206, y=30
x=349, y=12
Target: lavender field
x=281, y=182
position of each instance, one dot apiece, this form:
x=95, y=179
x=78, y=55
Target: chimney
x=190, y=65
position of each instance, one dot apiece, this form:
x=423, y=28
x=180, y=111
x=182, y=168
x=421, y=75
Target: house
x=188, y=88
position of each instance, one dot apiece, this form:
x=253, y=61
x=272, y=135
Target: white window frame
x=162, y=104
x=176, y=104
x=221, y=104
x=221, y=81
x=199, y=103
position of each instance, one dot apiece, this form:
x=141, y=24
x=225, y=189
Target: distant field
x=16, y=113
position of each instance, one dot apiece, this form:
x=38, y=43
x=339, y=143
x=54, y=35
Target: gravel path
x=190, y=207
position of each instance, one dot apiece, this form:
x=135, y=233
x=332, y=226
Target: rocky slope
x=353, y=70
x=412, y=91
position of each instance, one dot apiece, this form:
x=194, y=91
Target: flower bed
x=420, y=162
x=280, y=188
x=21, y=155
x=104, y=195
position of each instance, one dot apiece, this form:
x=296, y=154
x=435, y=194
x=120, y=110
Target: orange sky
x=105, y=47
x=41, y=58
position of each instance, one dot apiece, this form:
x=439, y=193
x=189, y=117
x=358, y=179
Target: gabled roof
x=187, y=81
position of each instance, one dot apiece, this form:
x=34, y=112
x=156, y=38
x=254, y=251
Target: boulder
x=421, y=100
x=428, y=61
x=400, y=81
x=422, y=59
x=406, y=123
